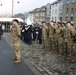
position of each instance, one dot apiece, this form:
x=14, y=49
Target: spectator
x=40, y=35
x=1, y=31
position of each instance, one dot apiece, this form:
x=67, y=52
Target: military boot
x=43, y=47
x=74, y=61
x=14, y=58
x=64, y=57
x=48, y=50
x=17, y=61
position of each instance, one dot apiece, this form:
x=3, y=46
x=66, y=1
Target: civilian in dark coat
x=23, y=32
x=40, y=35
x=28, y=34
x=1, y=31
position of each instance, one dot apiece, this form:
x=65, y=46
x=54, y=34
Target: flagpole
x=12, y=8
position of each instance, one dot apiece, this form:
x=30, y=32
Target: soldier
x=44, y=34
x=68, y=40
x=63, y=25
x=59, y=38
x=63, y=42
x=52, y=41
x=16, y=41
x=73, y=52
x=54, y=23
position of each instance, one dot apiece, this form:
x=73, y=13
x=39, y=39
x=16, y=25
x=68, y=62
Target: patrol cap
x=43, y=22
x=72, y=24
x=63, y=23
x=54, y=22
x=59, y=23
x=68, y=22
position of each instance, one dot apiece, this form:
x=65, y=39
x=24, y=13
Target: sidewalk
x=7, y=66
x=46, y=62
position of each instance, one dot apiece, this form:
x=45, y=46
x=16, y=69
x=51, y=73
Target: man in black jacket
x=27, y=31
x=40, y=35
x=1, y=31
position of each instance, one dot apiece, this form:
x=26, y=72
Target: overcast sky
x=23, y=6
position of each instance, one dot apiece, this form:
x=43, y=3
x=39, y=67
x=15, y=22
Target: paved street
x=7, y=66
x=45, y=62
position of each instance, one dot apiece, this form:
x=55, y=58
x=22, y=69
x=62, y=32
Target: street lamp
x=13, y=7
x=1, y=3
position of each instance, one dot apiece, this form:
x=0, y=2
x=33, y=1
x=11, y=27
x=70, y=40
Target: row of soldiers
x=60, y=37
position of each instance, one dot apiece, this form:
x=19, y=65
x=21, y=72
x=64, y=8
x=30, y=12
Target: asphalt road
x=7, y=66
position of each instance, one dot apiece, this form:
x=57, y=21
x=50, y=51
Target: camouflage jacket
x=16, y=34
x=44, y=31
x=59, y=32
x=67, y=34
x=52, y=30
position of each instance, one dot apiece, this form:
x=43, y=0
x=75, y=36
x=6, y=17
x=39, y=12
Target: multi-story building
x=56, y=10
x=38, y=15
x=48, y=11
x=69, y=10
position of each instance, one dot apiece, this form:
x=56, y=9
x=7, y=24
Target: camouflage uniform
x=44, y=36
x=59, y=39
x=52, y=37
x=68, y=40
x=72, y=37
x=16, y=41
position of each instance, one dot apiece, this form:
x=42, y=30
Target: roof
x=10, y=19
x=55, y=2
x=38, y=9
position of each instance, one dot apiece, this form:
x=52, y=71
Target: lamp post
x=13, y=7
x=0, y=4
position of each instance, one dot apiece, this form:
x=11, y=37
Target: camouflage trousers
x=52, y=44
x=16, y=49
x=44, y=42
x=60, y=48
x=69, y=47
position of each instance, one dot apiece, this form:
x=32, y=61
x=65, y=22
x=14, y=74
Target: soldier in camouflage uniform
x=16, y=41
x=68, y=40
x=59, y=39
x=52, y=41
x=72, y=36
x=44, y=35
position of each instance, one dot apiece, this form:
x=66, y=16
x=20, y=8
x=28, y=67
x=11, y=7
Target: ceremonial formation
x=58, y=38
x=61, y=38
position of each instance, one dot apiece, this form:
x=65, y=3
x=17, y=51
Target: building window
x=68, y=1
x=60, y=18
x=43, y=14
x=67, y=10
x=53, y=5
x=55, y=18
x=73, y=0
x=52, y=18
x=56, y=5
x=55, y=11
x=71, y=18
x=66, y=18
x=72, y=10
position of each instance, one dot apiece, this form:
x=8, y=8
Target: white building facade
x=56, y=11
x=29, y=17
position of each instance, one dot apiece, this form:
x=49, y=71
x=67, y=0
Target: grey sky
x=23, y=6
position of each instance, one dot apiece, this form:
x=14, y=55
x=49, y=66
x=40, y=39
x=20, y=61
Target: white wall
x=55, y=12
x=31, y=16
